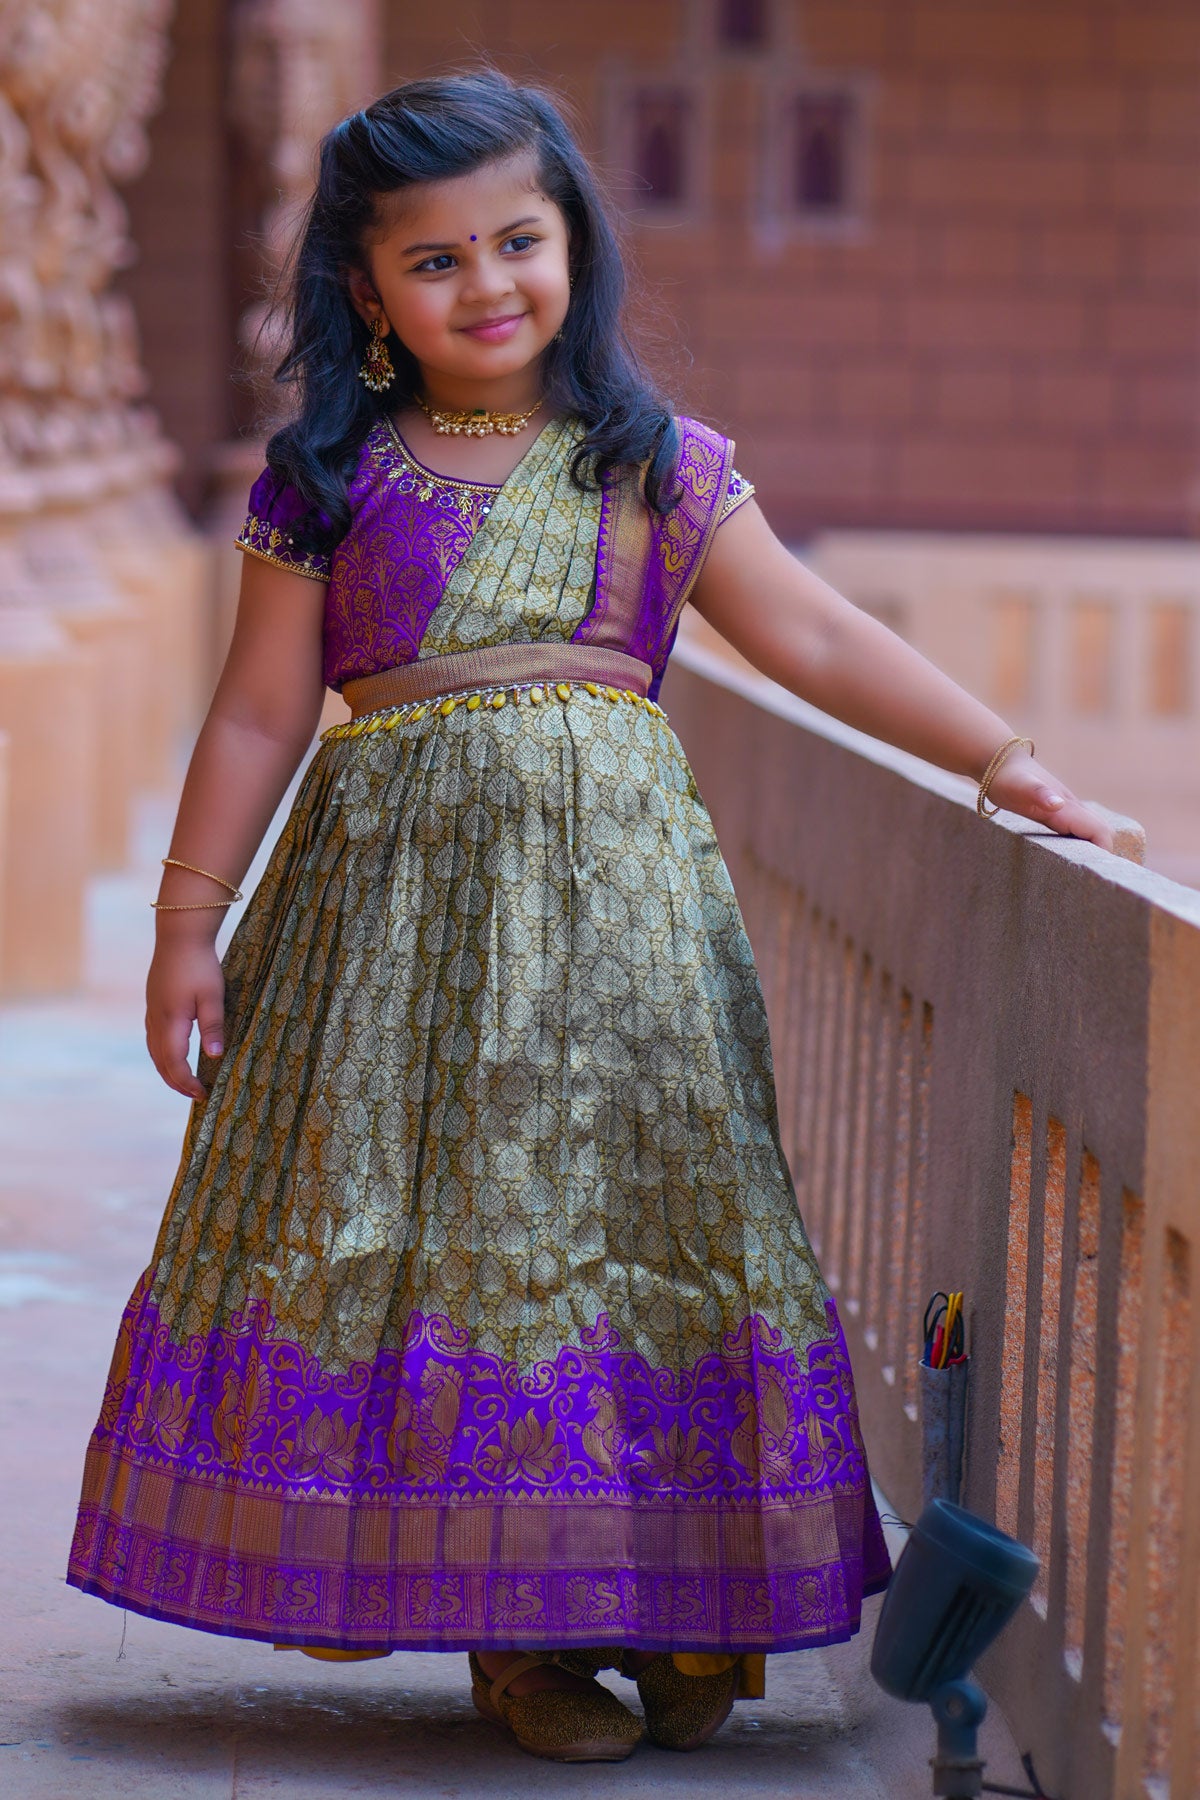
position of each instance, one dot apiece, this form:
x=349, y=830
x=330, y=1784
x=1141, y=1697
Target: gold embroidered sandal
x=566, y=1726
x=588, y=1662
x=682, y=1711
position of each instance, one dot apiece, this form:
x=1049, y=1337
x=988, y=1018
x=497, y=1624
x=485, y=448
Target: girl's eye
x=438, y=265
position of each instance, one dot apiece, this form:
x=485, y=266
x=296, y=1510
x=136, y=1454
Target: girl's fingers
x=1074, y=819
x=185, y=985
x=1048, y=802
x=169, y=1051
x=211, y=1020
x=1059, y=809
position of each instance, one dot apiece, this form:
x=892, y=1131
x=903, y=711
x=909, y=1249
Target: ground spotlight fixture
x=956, y=1586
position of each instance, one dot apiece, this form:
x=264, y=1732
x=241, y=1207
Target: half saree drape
x=482, y=1313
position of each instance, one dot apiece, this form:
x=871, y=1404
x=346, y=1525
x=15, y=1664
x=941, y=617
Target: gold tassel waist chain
x=533, y=693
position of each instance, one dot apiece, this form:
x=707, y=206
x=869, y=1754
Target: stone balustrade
x=1090, y=645
x=987, y=1045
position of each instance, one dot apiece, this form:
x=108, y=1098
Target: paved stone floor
x=94, y=1704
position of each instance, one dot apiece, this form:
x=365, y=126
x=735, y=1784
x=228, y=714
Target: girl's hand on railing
x=185, y=984
x=1022, y=785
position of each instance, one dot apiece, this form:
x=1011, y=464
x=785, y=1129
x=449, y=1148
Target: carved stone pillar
x=297, y=67
x=79, y=450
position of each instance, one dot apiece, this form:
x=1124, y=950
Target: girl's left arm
x=805, y=635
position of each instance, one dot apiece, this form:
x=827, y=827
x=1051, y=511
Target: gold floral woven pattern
x=496, y=1048
x=482, y=1314
x=529, y=572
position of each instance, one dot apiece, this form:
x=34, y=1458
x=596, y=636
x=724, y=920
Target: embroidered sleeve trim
x=739, y=490
x=258, y=537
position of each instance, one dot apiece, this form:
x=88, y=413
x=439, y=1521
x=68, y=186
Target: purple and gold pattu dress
x=482, y=1313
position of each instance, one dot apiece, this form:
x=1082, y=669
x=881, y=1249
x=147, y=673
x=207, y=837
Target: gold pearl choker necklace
x=478, y=422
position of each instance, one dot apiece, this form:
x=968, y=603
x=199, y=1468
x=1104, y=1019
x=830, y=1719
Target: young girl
x=482, y=1316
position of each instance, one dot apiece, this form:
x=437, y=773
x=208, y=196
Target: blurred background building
x=933, y=263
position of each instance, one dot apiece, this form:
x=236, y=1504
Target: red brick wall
x=1015, y=342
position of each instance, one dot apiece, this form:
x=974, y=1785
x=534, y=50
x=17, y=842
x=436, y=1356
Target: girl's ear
x=363, y=297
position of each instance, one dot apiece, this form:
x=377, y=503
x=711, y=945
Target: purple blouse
x=408, y=531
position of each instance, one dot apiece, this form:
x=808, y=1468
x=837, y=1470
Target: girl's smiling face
x=472, y=275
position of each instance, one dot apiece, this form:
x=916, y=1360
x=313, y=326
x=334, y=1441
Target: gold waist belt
x=499, y=666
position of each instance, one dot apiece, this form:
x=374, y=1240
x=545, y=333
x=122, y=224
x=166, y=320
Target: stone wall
x=1000, y=330
x=1005, y=333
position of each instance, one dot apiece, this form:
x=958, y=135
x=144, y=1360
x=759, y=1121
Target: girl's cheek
x=426, y=321
x=547, y=293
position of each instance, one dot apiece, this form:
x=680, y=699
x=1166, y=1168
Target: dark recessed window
x=742, y=24
x=821, y=169
x=660, y=146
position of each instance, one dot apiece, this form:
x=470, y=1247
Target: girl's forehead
x=480, y=203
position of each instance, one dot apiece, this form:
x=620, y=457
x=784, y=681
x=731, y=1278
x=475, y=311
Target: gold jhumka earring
x=377, y=370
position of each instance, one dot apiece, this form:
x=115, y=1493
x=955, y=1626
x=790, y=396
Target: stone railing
x=987, y=1045
x=1091, y=645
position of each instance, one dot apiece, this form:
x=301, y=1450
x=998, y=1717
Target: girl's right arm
x=805, y=635
x=261, y=721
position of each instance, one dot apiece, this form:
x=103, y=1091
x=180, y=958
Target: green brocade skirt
x=482, y=1313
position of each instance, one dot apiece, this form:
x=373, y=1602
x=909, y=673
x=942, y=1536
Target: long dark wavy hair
x=433, y=130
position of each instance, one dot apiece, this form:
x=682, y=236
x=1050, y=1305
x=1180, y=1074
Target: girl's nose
x=491, y=278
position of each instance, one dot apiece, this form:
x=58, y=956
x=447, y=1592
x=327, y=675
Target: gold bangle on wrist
x=174, y=860
x=188, y=905
x=989, y=774
x=195, y=905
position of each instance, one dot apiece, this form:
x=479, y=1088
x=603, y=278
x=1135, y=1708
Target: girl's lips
x=495, y=331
